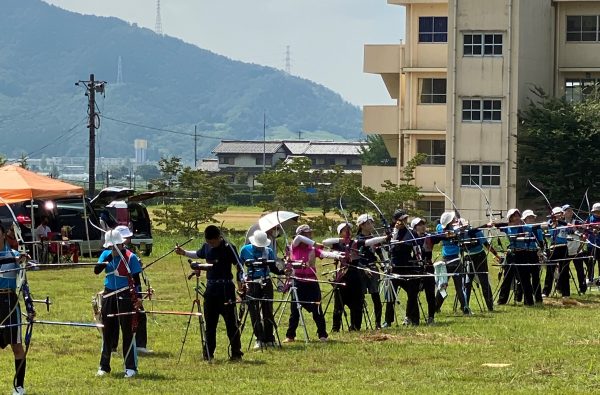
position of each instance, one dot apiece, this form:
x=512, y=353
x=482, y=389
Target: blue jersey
x=558, y=236
x=522, y=237
x=250, y=252
x=449, y=246
x=474, y=240
x=117, y=275
x=8, y=261
x=593, y=238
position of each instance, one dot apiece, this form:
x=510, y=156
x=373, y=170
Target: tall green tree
x=558, y=147
x=287, y=182
x=374, y=153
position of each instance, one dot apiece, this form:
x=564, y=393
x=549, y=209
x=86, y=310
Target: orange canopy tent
x=18, y=185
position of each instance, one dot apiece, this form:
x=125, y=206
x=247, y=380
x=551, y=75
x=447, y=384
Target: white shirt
x=42, y=231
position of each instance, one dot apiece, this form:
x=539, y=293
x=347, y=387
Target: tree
x=169, y=171
x=287, y=182
x=148, y=172
x=375, y=153
x=558, y=148
x=3, y=160
x=403, y=195
x=23, y=161
x=203, y=196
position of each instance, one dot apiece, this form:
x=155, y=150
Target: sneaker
x=270, y=344
x=323, y=339
x=289, y=340
x=129, y=373
x=430, y=321
x=407, y=322
x=101, y=373
x=377, y=326
x=467, y=312
x=144, y=351
x=544, y=296
x=385, y=325
x=19, y=390
x=258, y=345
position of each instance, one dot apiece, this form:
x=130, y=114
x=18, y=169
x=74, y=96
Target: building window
x=482, y=44
x=330, y=161
x=433, y=29
x=268, y=160
x=433, y=90
x=576, y=90
x=227, y=160
x=582, y=28
x=435, y=150
x=432, y=209
x=478, y=110
x=482, y=175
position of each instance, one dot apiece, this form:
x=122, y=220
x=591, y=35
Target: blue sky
x=326, y=37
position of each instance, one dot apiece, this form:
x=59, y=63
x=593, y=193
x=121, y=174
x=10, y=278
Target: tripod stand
x=198, y=291
x=259, y=306
x=338, y=303
x=292, y=297
x=390, y=293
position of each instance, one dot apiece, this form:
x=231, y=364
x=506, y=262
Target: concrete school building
x=465, y=69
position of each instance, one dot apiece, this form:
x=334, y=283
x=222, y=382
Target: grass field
x=551, y=349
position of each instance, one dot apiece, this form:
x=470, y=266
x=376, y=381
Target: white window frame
x=581, y=32
x=432, y=95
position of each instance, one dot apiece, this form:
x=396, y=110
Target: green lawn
x=550, y=349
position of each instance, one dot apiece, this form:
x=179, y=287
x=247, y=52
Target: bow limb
x=385, y=223
x=450, y=200
x=487, y=201
x=542, y=193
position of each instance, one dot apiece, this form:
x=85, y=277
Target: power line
x=159, y=129
x=58, y=138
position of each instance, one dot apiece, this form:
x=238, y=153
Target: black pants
x=535, y=273
x=261, y=312
x=351, y=295
x=371, y=286
x=480, y=266
x=595, y=257
x=219, y=299
x=338, y=308
x=119, y=303
x=578, y=262
x=519, y=273
x=141, y=336
x=411, y=287
x=559, y=254
x=428, y=285
x=460, y=283
x=307, y=292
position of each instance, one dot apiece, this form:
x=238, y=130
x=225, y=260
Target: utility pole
x=92, y=86
x=264, y=139
x=195, y=148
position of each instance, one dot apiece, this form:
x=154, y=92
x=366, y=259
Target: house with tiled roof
x=243, y=159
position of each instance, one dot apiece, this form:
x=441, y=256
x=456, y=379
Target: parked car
x=65, y=213
x=125, y=208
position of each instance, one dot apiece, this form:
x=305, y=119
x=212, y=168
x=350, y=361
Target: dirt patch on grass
x=423, y=337
x=559, y=302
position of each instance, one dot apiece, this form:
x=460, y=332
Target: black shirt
x=223, y=258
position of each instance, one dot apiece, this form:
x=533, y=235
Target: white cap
x=557, y=210
x=511, y=212
x=596, y=207
x=302, y=229
x=447, y=218
x=416, y=221
x=113, y=237
x=259, y=239
x=342, y=226
x=528, y=213
x=363, y=218
x=124, y=231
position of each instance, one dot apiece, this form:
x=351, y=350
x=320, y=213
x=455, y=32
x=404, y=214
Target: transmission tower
x=158, y=25
x=288, y=62
x=119, y=71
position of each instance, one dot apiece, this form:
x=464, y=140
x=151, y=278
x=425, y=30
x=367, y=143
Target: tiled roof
x=333, y=148
x=295, y=147
x=247, y=147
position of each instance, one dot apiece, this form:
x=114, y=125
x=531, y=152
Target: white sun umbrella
x=272, y=220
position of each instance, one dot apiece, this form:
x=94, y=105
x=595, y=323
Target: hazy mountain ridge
x=167, y=84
